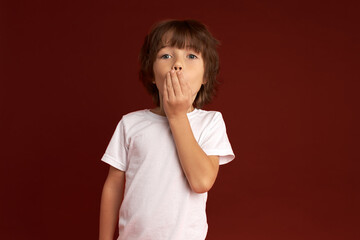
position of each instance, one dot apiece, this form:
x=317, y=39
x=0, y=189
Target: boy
x=169, y=155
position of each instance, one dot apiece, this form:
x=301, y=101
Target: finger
x=169, y=86
x=185, y=85
x=165, y=92
x=175, y=83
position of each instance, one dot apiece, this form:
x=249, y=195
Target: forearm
x=177, y=98
x=110, y=204
x=199, y=169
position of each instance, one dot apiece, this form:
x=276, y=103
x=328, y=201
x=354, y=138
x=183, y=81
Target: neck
x=160, y=110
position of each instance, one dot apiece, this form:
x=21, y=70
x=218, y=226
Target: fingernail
x=172, y=71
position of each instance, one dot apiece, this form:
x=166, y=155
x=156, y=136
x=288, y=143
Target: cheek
x=159, y=73
x=159, y=80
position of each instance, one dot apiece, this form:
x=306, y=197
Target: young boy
x=169, y=155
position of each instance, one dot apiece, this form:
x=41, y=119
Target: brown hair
x=184, y=33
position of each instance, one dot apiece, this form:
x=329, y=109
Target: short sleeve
x=116, y=151
x=216, y=141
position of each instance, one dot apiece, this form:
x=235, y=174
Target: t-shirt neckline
x=164, y=118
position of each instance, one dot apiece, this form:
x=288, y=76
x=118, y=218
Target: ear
x=204, y=81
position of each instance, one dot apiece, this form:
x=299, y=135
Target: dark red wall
x=288, y=95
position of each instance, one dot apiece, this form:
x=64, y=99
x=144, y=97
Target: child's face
x=189, y=61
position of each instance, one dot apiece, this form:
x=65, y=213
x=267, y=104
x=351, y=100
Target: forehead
x=180, y=40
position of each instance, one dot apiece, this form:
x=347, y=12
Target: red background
x=288, y=95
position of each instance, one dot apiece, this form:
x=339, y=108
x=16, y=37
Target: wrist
x=176, y=118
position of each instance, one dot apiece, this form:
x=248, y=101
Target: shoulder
x=207, y=119
x=211, y=116
x=134, y=116
x=138, y=121
x=132, y=119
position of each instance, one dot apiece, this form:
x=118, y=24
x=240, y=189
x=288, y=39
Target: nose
x=177, y=67
x=178, y=62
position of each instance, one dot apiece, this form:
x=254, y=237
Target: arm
x=200, y=169
x=111, y=199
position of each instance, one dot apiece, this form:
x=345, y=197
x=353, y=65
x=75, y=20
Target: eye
x=165, y=56
x=192, y=56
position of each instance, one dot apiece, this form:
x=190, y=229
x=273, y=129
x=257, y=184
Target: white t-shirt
x=158, y=201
